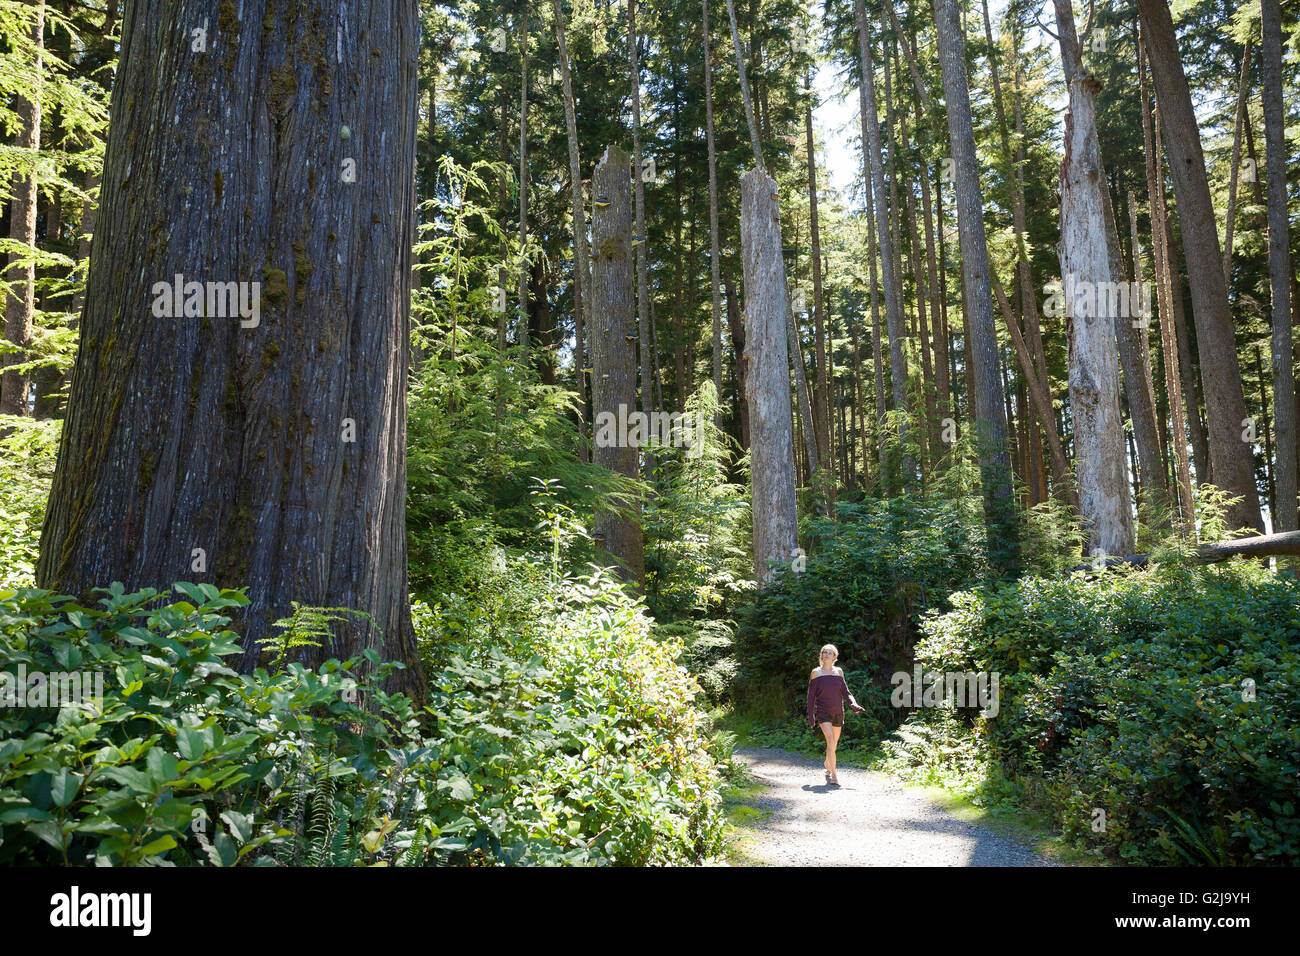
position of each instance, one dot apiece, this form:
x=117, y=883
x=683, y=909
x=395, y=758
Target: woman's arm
x=811, y=720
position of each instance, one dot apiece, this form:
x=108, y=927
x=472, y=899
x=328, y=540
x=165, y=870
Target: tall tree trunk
x=1166, y=307
x=942, y=384
x=877, y=353
x=1234, y=168
x=1141, y=391
x=20, y=299
x=871, y=139
x=581, y=270
x=613, y=366
x=715, y=256
x=522, y=333
x=754, y=139
x=767, y=309
x=821, y=397
x=195, y=438
x=1225, y=404
x=1279, y=266
x=990, y=417
x=639, y=240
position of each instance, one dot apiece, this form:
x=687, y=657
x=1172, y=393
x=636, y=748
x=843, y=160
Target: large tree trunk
x=264, y=450
x=1087, y=273
x=1279, y=266
x=20, y=300
x=613, y=382
x=1225, y=404
x=771, y=447
x=990, y=416
x=581, y=270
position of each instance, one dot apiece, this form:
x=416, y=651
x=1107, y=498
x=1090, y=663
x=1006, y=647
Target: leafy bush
x=578, y=743
x=1165, y=698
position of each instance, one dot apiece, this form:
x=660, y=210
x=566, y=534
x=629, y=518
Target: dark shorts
x=835, y=720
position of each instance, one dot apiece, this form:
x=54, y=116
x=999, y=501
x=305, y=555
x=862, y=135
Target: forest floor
x=787, y=815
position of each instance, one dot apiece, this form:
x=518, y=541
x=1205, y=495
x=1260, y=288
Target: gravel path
x=871, y=819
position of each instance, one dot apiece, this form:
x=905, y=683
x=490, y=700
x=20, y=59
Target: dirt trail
x=871, y=819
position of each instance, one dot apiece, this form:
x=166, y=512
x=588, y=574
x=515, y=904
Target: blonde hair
x=835, y=651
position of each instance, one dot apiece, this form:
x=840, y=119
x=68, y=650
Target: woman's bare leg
x=828, y=730
x=832, y=741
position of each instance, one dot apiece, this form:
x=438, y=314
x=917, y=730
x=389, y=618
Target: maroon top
x=827, y=694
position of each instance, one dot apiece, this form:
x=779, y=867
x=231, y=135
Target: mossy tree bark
x=279, y=150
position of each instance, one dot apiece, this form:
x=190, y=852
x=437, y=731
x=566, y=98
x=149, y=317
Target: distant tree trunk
x=1234, y=167
x=942, y=384
x=877, y=352
x=754, y=139
x=806, y=424
x=581, y=270
x=766, y=309
x=1279, y=266
x=522, y=332
x=715, y=256
x=1041, y=398
x=20, y=300
x=1141, y=391
x=737, y=326
x=267, y=449
x=1166, y=307
x=1225, y=403
x=613, y=383
x=821, y=397
x=639, y=240
x=893, y=294
x=990, y=417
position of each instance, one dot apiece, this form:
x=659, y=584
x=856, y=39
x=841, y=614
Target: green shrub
x=577, y=741
x=1128, y=693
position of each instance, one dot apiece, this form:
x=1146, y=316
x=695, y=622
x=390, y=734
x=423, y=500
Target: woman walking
x=827, y=694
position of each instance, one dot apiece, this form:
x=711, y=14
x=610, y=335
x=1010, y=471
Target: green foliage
x=575, y=742
x=27, y=452
x=305, y=627
x=483, y=426
x=1131, y=693
x=178, y=735
x=697, y=524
